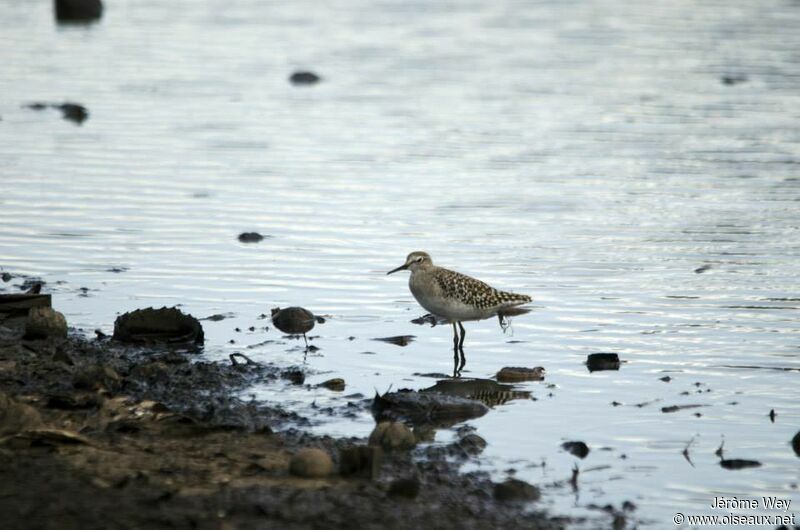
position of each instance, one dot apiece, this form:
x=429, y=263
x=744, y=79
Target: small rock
x=97, y=377
x=45, y=323
x=796, y=443
x=169, y=325
x=666, y=379
x=311, y=463
x=304, y=78
x=250, y=237
x=731, y=80
x=515, y=374
x=78, y=10
x=405, y=487
x=293, y=320
x=579, y=449
x=596, y=362
x=73, y=112
x=392, y=435
x=361, y=460
x=6, y=277
x=738, y=463
x=704, y=268
x=336, y=384
x=516, y=490
x=16, y=416
x=472, y=444
x=295, y=376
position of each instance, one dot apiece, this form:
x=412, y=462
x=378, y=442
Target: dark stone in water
x=304, y=78
x=472, y=444
x=676, y=408
x=796, y=443
x=168, y=324
x=704, y=268
x=69, y=111
x=405, y=487
x=360, y=461
x=6, y=277
x=731, y=80
x=250, y=237
x=399, y=340
x=597, y=362
x=293, y=320
x=579, y=449
x=516, y=374
x=738, y=463
x=78, y=10
x=336, y=384
x=516, y=490
x=426, y=408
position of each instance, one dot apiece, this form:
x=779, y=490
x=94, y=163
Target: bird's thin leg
x=463, y=334
x=455, y=351
x=306, y=340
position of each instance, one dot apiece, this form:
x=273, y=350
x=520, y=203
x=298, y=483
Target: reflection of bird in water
x=295, y=321
x=455, y=297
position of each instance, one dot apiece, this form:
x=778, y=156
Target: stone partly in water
x=45, y=323
x=78, y=10
x=304, y=78
x=168, y=325
x=579, y=449
x=596, y=362
x=250, y=237
x=294, y=320
x=311, y=463
x=336, y=384
x=392, y=435
x=796, y=443
x=516, y=374
x=516, y=490
x=422, y=408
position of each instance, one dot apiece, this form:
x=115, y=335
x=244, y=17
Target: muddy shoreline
x=97, y=434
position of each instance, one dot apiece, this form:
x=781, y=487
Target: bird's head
x=415, y=261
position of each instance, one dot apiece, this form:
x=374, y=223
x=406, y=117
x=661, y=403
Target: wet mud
x=103, y=434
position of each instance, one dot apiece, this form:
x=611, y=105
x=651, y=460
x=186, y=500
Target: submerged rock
x=311, y=463
x=78, y=10
x=167, y=324
x=294, y=320
x=426, y=408
x=796, y=443
x=45, y=323
x=304, y=78
x=392, y=435
x=738, y=463
x=515, y=374
x=516, y=490
x=597, y=362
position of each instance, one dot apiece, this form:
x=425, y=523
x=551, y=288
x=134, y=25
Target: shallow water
x=588, y=154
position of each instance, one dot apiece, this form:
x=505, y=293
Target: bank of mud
x=97, y=434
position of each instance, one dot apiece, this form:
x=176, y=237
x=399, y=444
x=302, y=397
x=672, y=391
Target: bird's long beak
x=400, y=268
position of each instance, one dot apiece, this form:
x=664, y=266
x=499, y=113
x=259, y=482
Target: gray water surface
x=589, y=154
